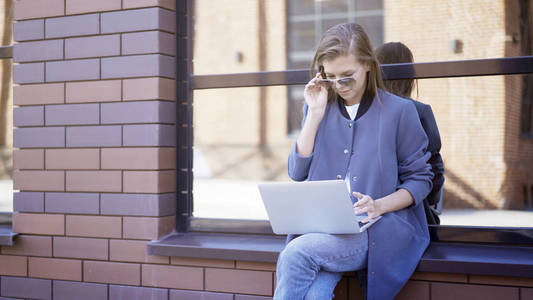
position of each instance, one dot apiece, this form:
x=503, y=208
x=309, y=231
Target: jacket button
x=354, y=178
x=373, y=243
x=346, y=151
x=373, y=273
x=350, y=125
x=339, y=177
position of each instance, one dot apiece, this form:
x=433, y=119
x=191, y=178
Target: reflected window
x=6, y=110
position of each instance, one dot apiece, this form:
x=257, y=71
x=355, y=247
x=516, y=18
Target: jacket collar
x=366, y=101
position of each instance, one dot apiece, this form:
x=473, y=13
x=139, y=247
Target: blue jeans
x=311, y=265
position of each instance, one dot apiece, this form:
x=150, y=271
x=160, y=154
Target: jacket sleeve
x=414, y=171
x=437, y=165
x=298, y=165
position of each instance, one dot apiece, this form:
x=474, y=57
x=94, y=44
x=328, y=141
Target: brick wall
x=446, y=286
x=95, y=147
x=440, y=286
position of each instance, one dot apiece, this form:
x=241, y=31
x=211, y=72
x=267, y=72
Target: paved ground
x=242, y=201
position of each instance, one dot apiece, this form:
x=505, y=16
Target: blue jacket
x=385, y=151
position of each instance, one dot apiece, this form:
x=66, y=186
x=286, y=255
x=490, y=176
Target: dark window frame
x=187, y=82
x=526, y=113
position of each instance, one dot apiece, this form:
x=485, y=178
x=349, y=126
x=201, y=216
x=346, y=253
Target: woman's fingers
x=358, y=195
x=365, y=204
x=360, y=210
x=314, y=82
x=370, y=212
x=310, y=89
x=362, y=199
x=315, y=79
x=361, y=203
x=316, y=95
x=368, y=208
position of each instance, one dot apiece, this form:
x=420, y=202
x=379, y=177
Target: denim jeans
x=311, y=265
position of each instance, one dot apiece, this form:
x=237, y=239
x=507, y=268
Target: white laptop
x=311, y=206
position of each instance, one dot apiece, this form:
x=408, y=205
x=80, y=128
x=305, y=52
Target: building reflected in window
x=6, y=110
x=242, y=136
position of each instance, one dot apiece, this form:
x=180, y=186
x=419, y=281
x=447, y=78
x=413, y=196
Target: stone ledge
x=478, y=259
x=260, y=248
x=458, y=258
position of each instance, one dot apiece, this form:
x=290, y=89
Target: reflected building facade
x=245, y=134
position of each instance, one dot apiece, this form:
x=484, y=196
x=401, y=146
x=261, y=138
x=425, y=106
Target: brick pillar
x=95, y=139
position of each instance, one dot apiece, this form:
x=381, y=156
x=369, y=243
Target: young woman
x=353, y=130
x=393, y=53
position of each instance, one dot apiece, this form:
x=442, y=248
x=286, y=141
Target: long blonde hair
x=345, y=39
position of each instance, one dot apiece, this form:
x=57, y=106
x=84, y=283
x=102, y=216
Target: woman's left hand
x=368, y=205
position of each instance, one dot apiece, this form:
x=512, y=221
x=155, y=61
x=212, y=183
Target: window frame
x=187, y=82
x=526, y=113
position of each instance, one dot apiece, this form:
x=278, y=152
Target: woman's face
x=347, y=66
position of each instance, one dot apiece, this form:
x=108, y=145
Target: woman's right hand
x=316, y=97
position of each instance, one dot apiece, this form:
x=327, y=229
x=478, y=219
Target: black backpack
x=431, y=203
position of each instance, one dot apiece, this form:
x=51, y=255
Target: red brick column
x=95, y=159
x=95, y=146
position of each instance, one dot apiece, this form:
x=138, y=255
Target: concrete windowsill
x=261, y=248
x=464, y=258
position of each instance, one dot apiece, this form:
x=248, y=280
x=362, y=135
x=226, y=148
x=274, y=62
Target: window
x=244, y=108
x=242, y=135
x=484, y=170
x=6, y=104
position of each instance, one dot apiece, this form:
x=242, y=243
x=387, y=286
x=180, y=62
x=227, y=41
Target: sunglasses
x=345, y=81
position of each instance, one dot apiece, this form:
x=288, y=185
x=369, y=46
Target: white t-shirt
x=352, y=112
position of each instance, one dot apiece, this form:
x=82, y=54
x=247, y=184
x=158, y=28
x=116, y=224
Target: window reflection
x=236, y=147
x=6, y=111
x=483, y=152
x=243, y=136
